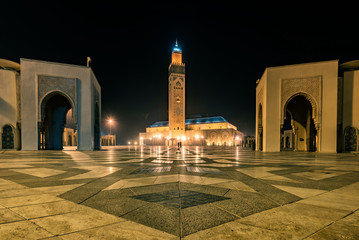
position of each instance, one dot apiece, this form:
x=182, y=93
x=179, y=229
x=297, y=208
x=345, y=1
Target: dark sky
x=226, y=48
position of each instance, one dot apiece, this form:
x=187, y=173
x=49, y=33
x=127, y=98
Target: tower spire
x=176, y=48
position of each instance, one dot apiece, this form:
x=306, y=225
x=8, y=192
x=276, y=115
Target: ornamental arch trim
x=50, y=94
x=313, y=103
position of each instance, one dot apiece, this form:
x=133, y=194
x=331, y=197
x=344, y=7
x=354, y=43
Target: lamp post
x=110, y=121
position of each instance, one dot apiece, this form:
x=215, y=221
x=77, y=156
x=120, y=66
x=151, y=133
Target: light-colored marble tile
x=28, y=200
x=94, y=172
x=337, y=231
x=57, y=190
x=123, y=230
x=190, y=179
x=132, y=182
x=208, y=180
x=350, y=190
x=9, y=185
x=259, y=172
x=235, y=185
x=39, y=172
x=223, y=161
x=18, y=192
x=22, y=230
x=235, y=230
x=278, y=178
x=75, y=221
x=300, y=192
x=167, y=179
x=352, y=219
x=220, y=165
x=131, y=161
x=47, y=209
x=319, y=174
x=162, y=161
x=7, y=215
x=194, y=161
x=298, y=220
x=345, y=168
x=14, y=165
x=334, y=200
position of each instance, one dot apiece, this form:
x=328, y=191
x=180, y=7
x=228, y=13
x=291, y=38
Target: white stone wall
x=269, y=91
x=8, y=102
x=30, y=71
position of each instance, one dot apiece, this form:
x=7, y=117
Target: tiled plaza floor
x=156, y=193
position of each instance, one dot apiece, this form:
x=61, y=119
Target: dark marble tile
x=245, y=203
x=151, y=170
x=194, y=219
x=116, y=206
x=157, y=216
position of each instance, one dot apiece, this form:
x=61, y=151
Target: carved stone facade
x=312, y=84
x=351, y=139
x=48, y=84
x=309, y=87
x=48, y=91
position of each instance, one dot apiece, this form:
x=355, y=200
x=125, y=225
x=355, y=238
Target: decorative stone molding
x=51, y=84
x=351, y=139
x=310, y=88
x=260, y=95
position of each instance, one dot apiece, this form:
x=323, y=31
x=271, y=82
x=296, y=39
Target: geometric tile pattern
x=172, y=198
x=39, y=172
x=202, y=192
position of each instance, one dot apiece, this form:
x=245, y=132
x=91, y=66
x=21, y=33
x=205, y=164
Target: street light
x=110, y=121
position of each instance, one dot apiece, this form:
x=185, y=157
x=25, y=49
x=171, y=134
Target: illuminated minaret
x=176, y=94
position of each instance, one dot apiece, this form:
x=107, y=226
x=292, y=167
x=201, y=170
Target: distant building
x=35, y=97
x=249, y=142
x=308, y=107
x=211, y=131
x=69, y=137
x=108, y=140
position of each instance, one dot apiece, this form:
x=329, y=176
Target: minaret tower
x=176, y=94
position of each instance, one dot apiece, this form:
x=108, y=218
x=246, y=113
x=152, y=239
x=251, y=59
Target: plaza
x=145, y=192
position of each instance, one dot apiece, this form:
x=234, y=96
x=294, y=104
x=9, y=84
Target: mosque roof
x=7, y=64
x=193, y=121
x=349, y=66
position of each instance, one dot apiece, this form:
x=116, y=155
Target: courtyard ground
x=156, y=193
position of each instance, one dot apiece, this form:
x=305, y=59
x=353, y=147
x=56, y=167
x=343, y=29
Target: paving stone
x=201, y=193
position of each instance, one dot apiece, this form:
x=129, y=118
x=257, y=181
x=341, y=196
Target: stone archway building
x=28, y=88
x=332, y=91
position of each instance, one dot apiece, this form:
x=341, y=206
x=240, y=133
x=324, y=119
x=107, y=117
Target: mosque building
x=210, y=131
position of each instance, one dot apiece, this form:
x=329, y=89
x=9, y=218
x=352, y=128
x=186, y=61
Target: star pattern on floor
x=179, y=194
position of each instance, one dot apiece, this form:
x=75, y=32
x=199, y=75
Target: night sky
x=226, y=48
